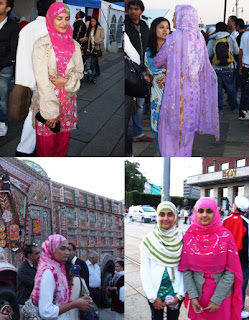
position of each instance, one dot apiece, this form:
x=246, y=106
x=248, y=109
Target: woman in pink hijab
x=58, y=68
x=211, y=266
x=190, y=97
x=52, y=290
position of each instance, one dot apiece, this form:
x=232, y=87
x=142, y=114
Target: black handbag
x=97, y=53
x=135, y=84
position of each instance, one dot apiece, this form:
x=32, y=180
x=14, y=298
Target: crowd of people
x=207, y=267
x=188, y=71
x=47, y=55
x=62, y=286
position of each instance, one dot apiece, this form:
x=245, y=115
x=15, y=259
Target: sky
x=103, y=176
x=181, y=168
x=209, y=11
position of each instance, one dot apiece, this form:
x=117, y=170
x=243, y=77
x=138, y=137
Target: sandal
x=144, y=138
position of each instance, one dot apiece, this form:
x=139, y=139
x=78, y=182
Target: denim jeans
x=244, y=103
x=137, y=129
x=158, y=314
x=95, y=65
x=226, y=79
x=5, y=77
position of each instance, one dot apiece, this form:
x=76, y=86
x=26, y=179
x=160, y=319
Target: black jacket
x=84, y=272
x=8, y=43
x=117, y=305
x=135, y=37
x=79, y=30
x=25, y=281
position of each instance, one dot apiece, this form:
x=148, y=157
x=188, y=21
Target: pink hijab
x=62, y=43
x=47, y=261
x=211, y=249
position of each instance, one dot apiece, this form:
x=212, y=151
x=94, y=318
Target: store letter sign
x=228, y=174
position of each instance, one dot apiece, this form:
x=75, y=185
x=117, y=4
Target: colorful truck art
x=32, y=207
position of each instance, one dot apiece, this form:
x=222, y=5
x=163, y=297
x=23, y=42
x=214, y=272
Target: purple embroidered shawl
x=190, y=98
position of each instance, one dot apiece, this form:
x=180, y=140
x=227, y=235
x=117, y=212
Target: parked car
x=143, y=213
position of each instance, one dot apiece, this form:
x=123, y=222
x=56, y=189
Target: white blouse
x=47, y=309
x=151, y=276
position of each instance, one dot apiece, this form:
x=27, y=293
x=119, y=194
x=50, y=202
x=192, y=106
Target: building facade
x=223, y=179
x=191, y=191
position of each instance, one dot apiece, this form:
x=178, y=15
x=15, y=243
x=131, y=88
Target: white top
x=47, y=309
x=74, y=260
x=94, y=274
x=244, y=45
x=27, y=38
x=3, y=22
x=130, y=50
x=92, y=37
x=151, y=276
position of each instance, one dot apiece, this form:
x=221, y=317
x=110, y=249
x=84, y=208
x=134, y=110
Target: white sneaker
x=3, y=129
x=244, y=314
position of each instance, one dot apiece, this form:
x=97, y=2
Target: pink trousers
x=55, y=145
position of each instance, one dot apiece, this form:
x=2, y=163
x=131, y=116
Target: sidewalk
x=234, y=139
x=100, y=115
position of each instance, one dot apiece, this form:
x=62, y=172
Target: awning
x=84, y=3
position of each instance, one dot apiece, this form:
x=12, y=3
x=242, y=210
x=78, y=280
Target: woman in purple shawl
x=190, y=98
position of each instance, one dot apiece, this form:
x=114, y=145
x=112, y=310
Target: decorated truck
x=32, y=207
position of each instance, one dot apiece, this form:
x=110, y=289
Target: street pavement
x=106, y=314
x=234, y=138
x=136, y=305
x=100, y=115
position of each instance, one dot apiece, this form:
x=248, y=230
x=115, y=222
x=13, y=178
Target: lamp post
x=225, y=9
x=166, y=180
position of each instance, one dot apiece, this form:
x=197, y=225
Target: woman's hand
x=196, y=306
x=51, y=123
x=176, y=300
x=112, y=288
x=148, y=78
x=212, y=307
x=159, y=304
x=58, y=81
x=161, y=80
x=84, y=303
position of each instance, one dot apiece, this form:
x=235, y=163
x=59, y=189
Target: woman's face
x=61, y=22
x=166, y=219
x=93, y=22
x=174, y=20
x=118, y=267
x=162, y=30
x=62, y=252
x=205, y=216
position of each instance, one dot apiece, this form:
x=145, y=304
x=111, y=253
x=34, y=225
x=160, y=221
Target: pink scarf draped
x=47, y=261
x=62, y=43
x=211, y=249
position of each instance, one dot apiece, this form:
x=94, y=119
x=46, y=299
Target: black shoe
x=97, y=74
x=22, y=154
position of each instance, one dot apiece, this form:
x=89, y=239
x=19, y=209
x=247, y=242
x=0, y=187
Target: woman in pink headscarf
x=190, y=98
x=211, y=266
x=58, y=68
x=52, y=291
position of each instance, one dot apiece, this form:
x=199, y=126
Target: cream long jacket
x=44, y=66
x=99, y=38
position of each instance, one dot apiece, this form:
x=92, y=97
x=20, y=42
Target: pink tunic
x=224, y=311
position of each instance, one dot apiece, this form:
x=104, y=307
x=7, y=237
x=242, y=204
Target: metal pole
x=225, y=10
x=237, y=7
x=166, y=180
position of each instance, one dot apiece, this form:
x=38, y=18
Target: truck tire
x=106, y=299
x=131, y=219
x=9, y=297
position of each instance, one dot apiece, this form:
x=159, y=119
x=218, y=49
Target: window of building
x=224, y=166
x=240, y=163
x=209, y=193
x=113, y=29
x=210, y=169
x=119, y=30
x=238, y=191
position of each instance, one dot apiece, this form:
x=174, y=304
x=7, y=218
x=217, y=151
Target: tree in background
x=134, y=179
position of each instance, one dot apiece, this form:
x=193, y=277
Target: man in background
x=79, y=27
x=94, y=277
x=9, y=30
x=84, y=273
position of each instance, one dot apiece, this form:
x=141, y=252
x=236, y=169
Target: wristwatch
x=179, y=297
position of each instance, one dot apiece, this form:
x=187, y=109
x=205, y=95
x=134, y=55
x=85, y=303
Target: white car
x=143, y=213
